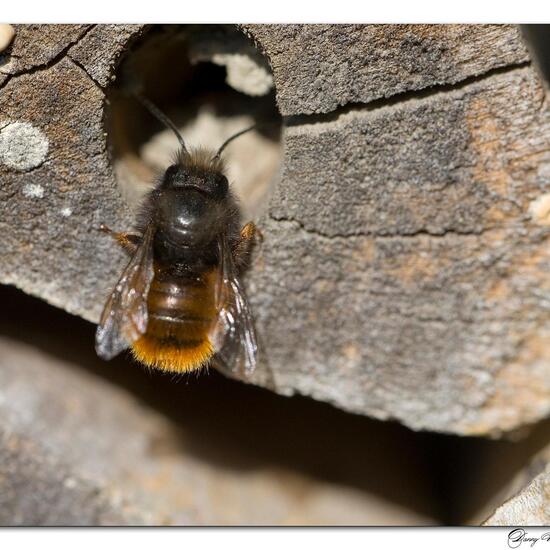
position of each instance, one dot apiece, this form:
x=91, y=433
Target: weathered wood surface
x=405, y=268
x=318, y=68
x=423, y=279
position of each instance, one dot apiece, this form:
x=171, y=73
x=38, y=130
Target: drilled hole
x=212, y=82
x=538, y=41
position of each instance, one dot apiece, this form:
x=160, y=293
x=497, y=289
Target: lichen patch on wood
x=22, y=146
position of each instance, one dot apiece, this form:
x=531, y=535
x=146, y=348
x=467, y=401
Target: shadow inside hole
x=538, y=40
x=453, y=480
x=234, y=426
x=189, y=73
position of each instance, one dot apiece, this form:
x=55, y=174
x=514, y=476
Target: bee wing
x=234, y=335
x=124, y=317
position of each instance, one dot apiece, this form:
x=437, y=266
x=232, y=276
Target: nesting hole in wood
x=212, y=82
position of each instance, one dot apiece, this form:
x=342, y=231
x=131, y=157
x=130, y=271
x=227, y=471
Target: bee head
x=210, y=181
x=191, y=202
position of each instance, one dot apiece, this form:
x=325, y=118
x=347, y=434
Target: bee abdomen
x=181, y=315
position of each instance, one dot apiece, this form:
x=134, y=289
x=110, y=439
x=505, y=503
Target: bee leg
x=250, y=235
x=128, y=241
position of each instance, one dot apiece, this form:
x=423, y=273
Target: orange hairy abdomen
x=182, y=311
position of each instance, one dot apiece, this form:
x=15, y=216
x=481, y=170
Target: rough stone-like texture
x=451, y=162
x=422, y=281
x=37, y=46
x=65, y=104
x=77, y=450
x=531, y=506
x=318, y=68
x=405, y=266
x=99, y=51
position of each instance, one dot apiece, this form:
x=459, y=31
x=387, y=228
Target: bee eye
x=216, y=185
x=171, y=173
x=222, y=184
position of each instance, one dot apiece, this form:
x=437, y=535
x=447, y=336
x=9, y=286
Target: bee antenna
x=230, y=139
x=161, y=117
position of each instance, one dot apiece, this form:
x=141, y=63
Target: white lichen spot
x=22, y=146
x=7, y=32
x=539, y=209
x=69, y=482
x=66, y=212
x=33, y=191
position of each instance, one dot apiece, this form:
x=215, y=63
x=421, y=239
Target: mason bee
x=179, y=304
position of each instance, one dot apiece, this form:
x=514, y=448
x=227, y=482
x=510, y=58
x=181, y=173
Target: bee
x=179, y=304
